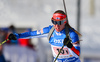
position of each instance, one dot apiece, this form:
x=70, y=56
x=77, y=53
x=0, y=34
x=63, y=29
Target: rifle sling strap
x=52, y=29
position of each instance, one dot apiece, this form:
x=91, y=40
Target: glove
x=12, y=37
x=67, y=42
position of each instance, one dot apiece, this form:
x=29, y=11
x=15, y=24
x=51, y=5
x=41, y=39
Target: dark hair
x=12, y=27
x=59, y=11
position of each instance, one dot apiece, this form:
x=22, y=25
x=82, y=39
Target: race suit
x=56, y=41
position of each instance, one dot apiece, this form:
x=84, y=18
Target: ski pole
x=65, y=9
x=67, y=19
x=59, y=53
x=4, y=42
x=61, y=50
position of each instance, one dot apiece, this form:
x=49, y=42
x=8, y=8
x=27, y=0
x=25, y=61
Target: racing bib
x=64, y=53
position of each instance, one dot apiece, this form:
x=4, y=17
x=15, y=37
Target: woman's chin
x=58, y=30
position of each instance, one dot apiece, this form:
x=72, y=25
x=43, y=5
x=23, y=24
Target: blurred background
x=26, y=15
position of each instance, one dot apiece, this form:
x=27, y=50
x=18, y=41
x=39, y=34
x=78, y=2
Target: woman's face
x=58, y=28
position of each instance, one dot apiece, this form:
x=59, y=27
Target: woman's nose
x=57, y=25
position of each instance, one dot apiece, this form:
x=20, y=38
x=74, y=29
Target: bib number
x=63, y=52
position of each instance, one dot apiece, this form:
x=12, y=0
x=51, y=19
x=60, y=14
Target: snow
x=37, y=13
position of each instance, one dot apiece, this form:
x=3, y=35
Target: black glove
x=67, y=42
x=12, y=37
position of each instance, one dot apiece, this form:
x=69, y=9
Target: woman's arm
x=32, y=34
x=75, y=41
